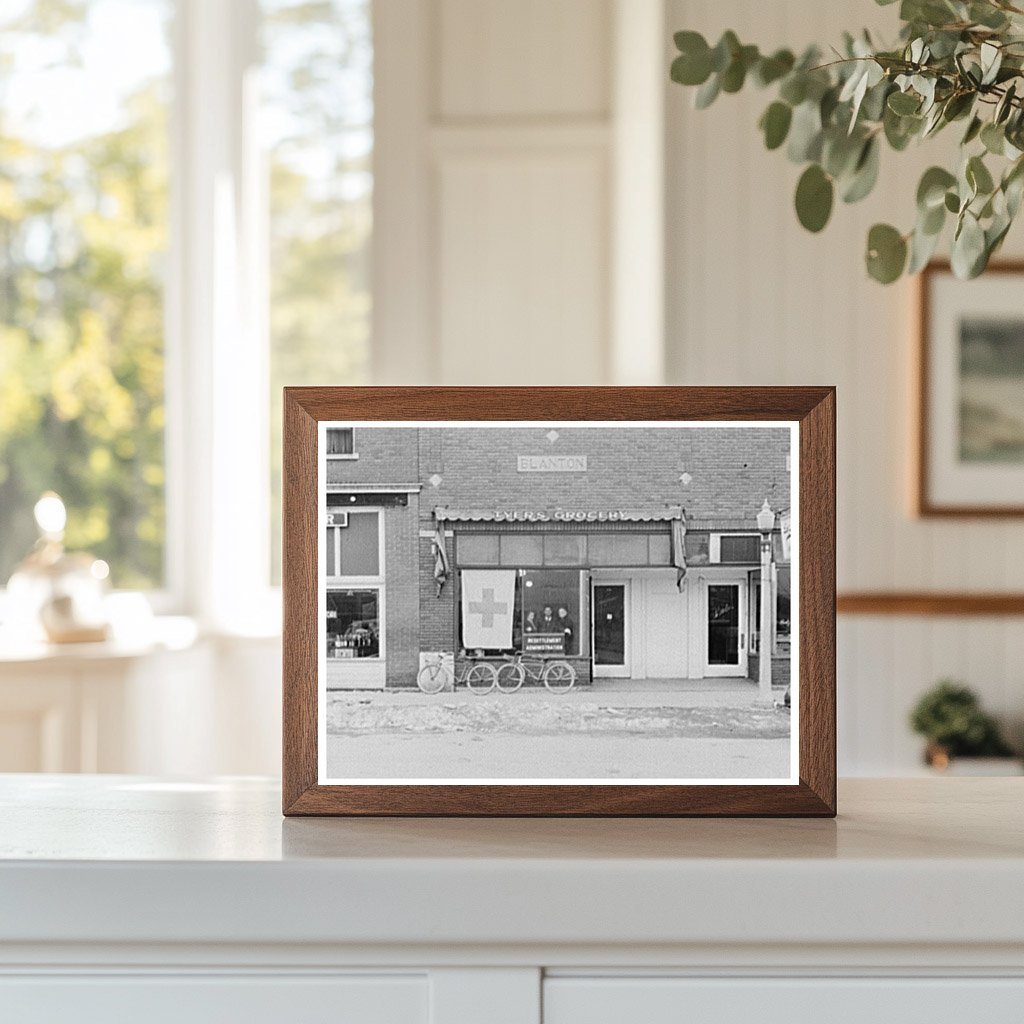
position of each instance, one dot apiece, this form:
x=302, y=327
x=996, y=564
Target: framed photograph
x=559, y=601
x=970, y=445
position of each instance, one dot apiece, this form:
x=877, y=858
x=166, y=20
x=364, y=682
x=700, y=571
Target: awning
x=667, y=513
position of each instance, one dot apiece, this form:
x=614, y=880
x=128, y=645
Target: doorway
x=726, y=647
x=610, y=634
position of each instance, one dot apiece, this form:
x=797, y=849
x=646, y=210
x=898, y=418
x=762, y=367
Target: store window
x=550, y=604
x=353, y=623
x=353, y=549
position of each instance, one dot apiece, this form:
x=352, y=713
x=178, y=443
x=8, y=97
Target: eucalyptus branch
x=955, y=61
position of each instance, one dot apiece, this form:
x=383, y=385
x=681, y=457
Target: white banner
x=488, y=600
x=786, y=532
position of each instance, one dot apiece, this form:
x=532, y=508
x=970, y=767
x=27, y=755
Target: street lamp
x=765, y=524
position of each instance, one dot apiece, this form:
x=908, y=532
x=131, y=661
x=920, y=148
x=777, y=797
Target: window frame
x=715, y=546
x=343, y=455
x=377, y=583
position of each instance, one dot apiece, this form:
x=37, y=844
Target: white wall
x=754, y=299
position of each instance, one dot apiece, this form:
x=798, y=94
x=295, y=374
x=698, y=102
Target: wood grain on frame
x=922, y=502
x=814, y=408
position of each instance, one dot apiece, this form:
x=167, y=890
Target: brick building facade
x=590, y=528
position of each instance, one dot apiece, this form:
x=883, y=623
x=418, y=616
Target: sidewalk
x=616, y=693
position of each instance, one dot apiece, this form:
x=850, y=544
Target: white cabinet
x=126, y=899
x=202, y=999
x=827, y=1000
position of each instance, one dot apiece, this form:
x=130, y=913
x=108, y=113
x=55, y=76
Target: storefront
x=608, y=592
x=623, y=590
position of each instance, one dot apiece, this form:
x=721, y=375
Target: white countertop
x=122, y=859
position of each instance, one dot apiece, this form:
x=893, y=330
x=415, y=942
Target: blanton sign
x=552, y=463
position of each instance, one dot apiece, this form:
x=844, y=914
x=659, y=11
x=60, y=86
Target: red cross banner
x=488, y=599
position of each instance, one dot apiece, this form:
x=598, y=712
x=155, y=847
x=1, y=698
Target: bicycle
x=480, y=678
x=558, y=676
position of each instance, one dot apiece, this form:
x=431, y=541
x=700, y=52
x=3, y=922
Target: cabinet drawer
x=202, y=999
x=659, y=1000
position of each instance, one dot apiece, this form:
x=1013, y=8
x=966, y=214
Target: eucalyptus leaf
x=707, y=93
x=931, y=190
x=987, y=15
x=724, y=51
x=805, y=133
x=814, y=195
x=771, y=69
x=922, y=247
x=775, y=124
x=993, y=138
x=991, y=60
x=735, y=74
x=973, y=130
x=978, y=176
x=904, y=103
x=840, y=152
x=865, y=173
x=968, y=248
x=886, y=253
x=1005, y=105
x=794, y=88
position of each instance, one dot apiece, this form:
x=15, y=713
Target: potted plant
x=950, y=718
x=956, y=62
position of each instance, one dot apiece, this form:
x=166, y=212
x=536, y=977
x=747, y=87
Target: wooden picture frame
x=809, y=412
x=946, y=484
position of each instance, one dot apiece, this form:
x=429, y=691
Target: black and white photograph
x=540, y=602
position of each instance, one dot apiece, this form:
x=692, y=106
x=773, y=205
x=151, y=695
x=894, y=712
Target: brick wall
x=437, y=614
x=386, y=455
x=402, y=596
x=730, y=471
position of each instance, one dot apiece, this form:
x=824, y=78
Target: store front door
x=609, y=602
x=725, y=641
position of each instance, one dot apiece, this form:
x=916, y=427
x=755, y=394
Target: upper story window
x=341, y=441
x=84, y=171
x=735, y=548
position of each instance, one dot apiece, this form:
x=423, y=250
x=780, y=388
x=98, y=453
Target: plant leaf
x=903, y=103
x=991, y=60
x=993, y=138
x=814, y=195
x=865, y=174
x=922, y=247
x=775, y=123
x=707, y=93
x=968, y=248
x=771, y=69
x=978, y=176
x=931, y=191
x=805, y=133
x=886, y=254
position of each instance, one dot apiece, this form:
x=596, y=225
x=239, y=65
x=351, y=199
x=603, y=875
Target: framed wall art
x=970, y=444
x=559, y=601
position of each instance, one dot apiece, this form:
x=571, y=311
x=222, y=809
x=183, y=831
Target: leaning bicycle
x=557, y=675
x=434, y=676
